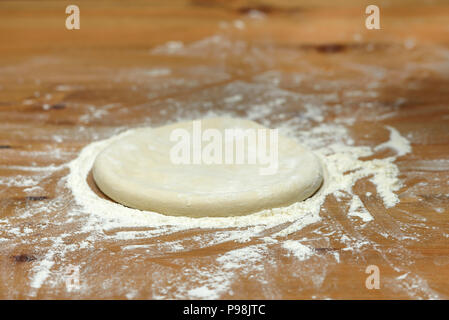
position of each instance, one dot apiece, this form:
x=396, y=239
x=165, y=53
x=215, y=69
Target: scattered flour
x=300, y=251
x=203, y=293
x=343, y=170
x=397, y=142
x=112, y=221
x=261, y=100
x=233, y=259
x=357, y=209
x=109, y=220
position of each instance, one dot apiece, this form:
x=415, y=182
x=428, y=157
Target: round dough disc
x=137, y=172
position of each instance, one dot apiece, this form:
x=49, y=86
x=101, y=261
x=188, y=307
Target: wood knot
x=36, y=198
x=268, y=9
x=58, y=106
x=330, y=47
x=24, y=258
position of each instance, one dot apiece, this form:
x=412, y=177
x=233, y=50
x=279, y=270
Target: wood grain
x=61, y=90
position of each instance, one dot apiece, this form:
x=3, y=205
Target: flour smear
x=306, y=240
x=344, y=168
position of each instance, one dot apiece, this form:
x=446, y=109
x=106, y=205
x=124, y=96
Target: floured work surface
x=372, y=104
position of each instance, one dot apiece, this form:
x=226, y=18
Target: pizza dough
x=138, y=170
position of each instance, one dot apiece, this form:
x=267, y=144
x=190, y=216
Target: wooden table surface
x=131, y=61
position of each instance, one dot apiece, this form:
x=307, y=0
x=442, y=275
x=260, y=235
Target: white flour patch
x=397, y=142
x=203, y=293
x=298, y=250
x=238, y=258
x=42, y=272
x=357, y=209
x=20, y=181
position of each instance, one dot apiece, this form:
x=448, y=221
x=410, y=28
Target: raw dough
x=137, y=172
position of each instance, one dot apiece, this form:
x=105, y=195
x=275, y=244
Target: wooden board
x=140, y=63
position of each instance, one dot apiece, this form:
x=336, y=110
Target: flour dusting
x=300, y=251
x=365, y=200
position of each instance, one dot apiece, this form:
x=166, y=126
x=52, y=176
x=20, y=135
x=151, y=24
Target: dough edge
x=173, y=203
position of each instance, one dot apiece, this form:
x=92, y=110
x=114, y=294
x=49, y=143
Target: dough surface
x=136, y=170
